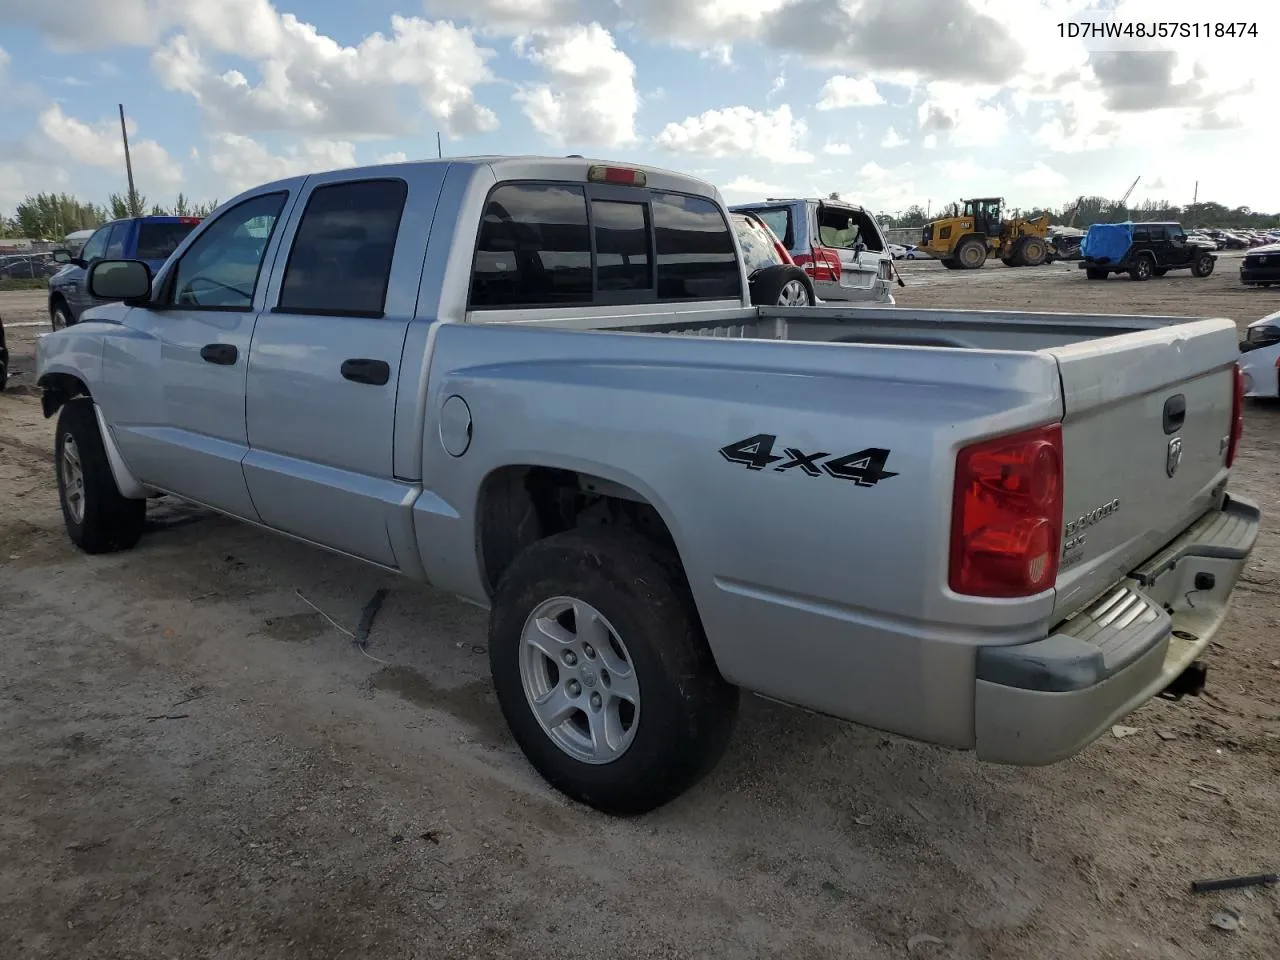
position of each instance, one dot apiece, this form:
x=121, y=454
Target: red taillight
x=1237, y=412
x=1006, y=518
x=599, y=173
x=823, y=265
x=188, y=219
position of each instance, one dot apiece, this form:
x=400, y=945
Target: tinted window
x=157, y=240
x=622, y=246
x=97, y=244
x=341, y=258
x=757, y=246
x=696, y=256
x=220, y=269
x=115, y=242
x=534, y=248
x=1141, y=233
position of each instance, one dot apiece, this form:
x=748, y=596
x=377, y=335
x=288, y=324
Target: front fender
x=74, y=352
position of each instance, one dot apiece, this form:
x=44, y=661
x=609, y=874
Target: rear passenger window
x=622, y=246
x=534, y=248
x=1141, y=233
x=341, y=258
x=696, y=256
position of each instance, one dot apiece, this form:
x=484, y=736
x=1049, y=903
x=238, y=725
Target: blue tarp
x=1107, y=242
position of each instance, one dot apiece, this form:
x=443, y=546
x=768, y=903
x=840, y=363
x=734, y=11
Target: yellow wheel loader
x=964, y=242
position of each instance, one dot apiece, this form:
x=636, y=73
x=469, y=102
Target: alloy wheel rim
x=579, y=680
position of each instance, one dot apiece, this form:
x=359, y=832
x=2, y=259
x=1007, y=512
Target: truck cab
x=149, y=239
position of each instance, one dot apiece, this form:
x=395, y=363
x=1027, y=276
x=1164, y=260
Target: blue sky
x=889, y=102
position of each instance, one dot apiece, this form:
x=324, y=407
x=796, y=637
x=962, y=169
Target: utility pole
x=128, y=166
x=439, y=146
x=1195, y=196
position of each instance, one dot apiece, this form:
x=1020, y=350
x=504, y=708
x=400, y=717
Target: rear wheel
x=1203, y=265
x=1093, y=274
x=971, y=254
x=98, y=518
x=603, y=673
x=1141, y=270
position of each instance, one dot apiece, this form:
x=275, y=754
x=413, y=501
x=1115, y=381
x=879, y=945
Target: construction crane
x=1120, y=204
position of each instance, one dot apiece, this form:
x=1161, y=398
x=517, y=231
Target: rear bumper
x=1041, y=702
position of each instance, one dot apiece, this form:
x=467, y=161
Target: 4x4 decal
x=865, y=467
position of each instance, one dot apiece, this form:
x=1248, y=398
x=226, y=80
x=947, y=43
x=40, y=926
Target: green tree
x=49, y=216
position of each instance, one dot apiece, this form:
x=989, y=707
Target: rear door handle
x=1175, y=413
x=223, y=354
x=361, y=370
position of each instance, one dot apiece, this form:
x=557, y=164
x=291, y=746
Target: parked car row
x=28, y=266
x=1237, y=239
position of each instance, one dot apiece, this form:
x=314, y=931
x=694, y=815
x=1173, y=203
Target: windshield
x=156, y=240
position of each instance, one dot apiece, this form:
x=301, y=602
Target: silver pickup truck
x=539, y=384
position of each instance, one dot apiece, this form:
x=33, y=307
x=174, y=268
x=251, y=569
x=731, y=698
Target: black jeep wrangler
x=1143, y=250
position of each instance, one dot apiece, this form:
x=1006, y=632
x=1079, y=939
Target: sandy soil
x=197, y=764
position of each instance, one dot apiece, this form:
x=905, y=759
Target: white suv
x=838, y=244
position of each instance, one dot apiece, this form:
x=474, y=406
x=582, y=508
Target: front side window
x=221, y=267
x=97, y=244
x=534, y=248
x=341, y=257
x=696, y=256
x=115, y=242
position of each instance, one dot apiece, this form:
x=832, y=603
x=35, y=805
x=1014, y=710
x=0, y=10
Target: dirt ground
x=196, y=764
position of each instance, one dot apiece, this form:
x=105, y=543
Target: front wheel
x=1203, y=265
x=60, y=316
x=98, y=518
x=603, y=673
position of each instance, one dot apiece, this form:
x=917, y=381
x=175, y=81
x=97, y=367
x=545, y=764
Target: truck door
x=175, y=392
x=325, y=362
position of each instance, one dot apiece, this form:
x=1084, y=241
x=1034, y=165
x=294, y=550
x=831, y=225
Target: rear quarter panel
x=812, y=589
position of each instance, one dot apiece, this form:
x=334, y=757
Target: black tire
x=687, y=711
x=105, y=521
x=971, y=254
x=4, y=374
x=1160, y=271
x=1203, y=266
x=60, y=315
x=1141, y=269
x=949, y=263
x=1032, y=252
x=770, y=286
x=1093, y=274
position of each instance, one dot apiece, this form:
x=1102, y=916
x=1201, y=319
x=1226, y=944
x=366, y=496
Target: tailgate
x=1147, y=418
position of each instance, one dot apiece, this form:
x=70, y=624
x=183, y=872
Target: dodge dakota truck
x=539, y=384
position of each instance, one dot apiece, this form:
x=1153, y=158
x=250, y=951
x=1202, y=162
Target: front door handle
x=361, y=370
x=223, y=354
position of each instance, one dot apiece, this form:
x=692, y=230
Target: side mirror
x=128, y=280
x=62, y=256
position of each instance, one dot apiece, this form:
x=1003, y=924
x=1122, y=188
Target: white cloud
x=1040, y=176
x=964, y=114
x=243, y=162
x=837, y=149
x=398, y=156
x=930, y=141
x=99, y=145
x=873, y=171
x=841, y=91
x=779, y=82
x=965, y=168
x=892, y=139
x=746, y=188
x=591, y=97
x=773, y=135
x=310, y=83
